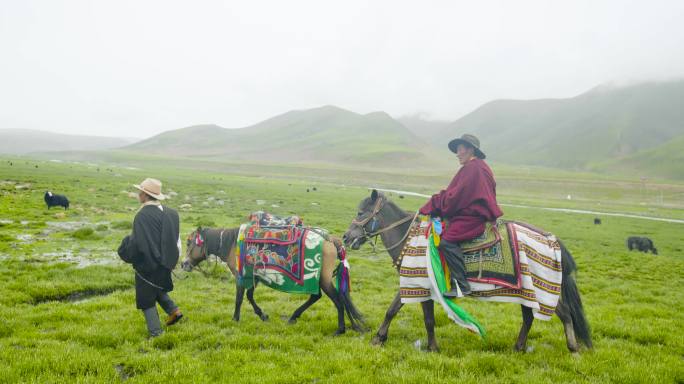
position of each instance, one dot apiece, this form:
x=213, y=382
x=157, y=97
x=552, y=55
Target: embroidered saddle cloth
x=286, y=258
x=492, y=258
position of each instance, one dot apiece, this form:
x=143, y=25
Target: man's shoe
x=174, y=317
x=452, y=293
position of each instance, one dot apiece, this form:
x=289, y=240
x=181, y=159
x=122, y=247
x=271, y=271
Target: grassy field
x=67, y=308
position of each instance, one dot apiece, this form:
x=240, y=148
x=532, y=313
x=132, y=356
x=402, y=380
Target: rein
x=379, y=205
x=204, y=250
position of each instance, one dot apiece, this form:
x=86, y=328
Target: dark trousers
x=456, y=262
x=147, y=296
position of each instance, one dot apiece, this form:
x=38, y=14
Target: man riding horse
x=467, y=203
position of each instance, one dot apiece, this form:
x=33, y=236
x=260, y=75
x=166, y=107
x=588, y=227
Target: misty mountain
x=328, y=134
x=607, y=123
x=423, y=127
x=24, y=141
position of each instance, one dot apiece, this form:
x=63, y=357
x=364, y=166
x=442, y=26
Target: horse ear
x=374, y=195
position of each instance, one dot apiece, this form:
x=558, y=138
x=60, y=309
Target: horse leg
x=528, y=318
x=563, y=312
x=331, y=292
x=298, y=312
x=381, y=336
x=239, y=295
x=429, y=318
x=257, y=310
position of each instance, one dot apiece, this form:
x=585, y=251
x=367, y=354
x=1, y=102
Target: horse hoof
x=377, y=340
x=236, y=319
x=433, y=348
x=339, y=332
x=359, y=329
x=263, y=317
x=292, y=321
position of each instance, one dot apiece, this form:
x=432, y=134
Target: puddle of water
x=82, y=259
x=66, y=225
x=25, y=237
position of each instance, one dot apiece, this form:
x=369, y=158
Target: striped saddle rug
x=512, y=262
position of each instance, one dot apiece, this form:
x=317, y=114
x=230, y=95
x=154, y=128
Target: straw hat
x=151, y=187
x=469, y=140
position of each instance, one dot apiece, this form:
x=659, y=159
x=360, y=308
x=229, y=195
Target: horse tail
x=357, y=320
x=343, y=288
x=571, y=297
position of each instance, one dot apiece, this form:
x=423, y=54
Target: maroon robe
x=468, y=202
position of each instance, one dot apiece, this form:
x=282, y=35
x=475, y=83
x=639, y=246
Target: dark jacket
x=152, y=246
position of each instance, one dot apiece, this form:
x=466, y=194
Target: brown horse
x=222, y=243
x=378, y=216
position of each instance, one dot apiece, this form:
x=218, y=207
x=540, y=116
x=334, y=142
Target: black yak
x=597, y=221
x=641, y=244
x=53, y=200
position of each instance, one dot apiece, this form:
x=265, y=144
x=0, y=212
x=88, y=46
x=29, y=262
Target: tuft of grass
x=122, y=224
x=85, y=234
x=101, y=228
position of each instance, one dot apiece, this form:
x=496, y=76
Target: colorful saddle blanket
x=492, y=258
x=538, y=267
x=286, y=258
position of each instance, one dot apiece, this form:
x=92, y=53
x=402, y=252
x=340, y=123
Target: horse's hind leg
x=331, y=292
x=298, y=312
x=381, y=336
x=239, y=295
x=429, y=318
x=528, y=318
x=257, y=310
x=563, y=313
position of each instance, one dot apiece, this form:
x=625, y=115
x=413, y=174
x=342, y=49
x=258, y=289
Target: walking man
x=153, y=248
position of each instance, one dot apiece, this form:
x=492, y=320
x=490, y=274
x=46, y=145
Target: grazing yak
x=53, y=200
x=641, y=244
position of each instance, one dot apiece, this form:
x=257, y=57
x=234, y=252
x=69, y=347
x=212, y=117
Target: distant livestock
x=641, y=244
x=53, y=200
x=597, y=221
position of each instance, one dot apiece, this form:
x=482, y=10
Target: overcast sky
x=137, y=68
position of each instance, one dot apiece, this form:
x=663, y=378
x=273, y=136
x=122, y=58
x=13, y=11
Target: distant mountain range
x=328, y=134
x=25, y=141
x=639, y=127
x=626, y=129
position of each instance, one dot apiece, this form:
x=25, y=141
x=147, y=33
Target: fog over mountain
x=131, y=68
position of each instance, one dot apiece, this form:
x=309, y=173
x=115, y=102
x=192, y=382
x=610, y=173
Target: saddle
x=492, y=258
x=280, y=252
x=265, y=219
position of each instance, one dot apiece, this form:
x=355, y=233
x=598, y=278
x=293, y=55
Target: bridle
x=373, y=233
x=200, y=239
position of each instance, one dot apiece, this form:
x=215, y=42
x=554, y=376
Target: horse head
x=367, y=221
x=196, y=250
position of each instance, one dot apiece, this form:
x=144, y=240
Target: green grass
x=67, y=305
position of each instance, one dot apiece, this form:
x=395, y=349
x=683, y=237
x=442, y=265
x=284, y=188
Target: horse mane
x=219, y=240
